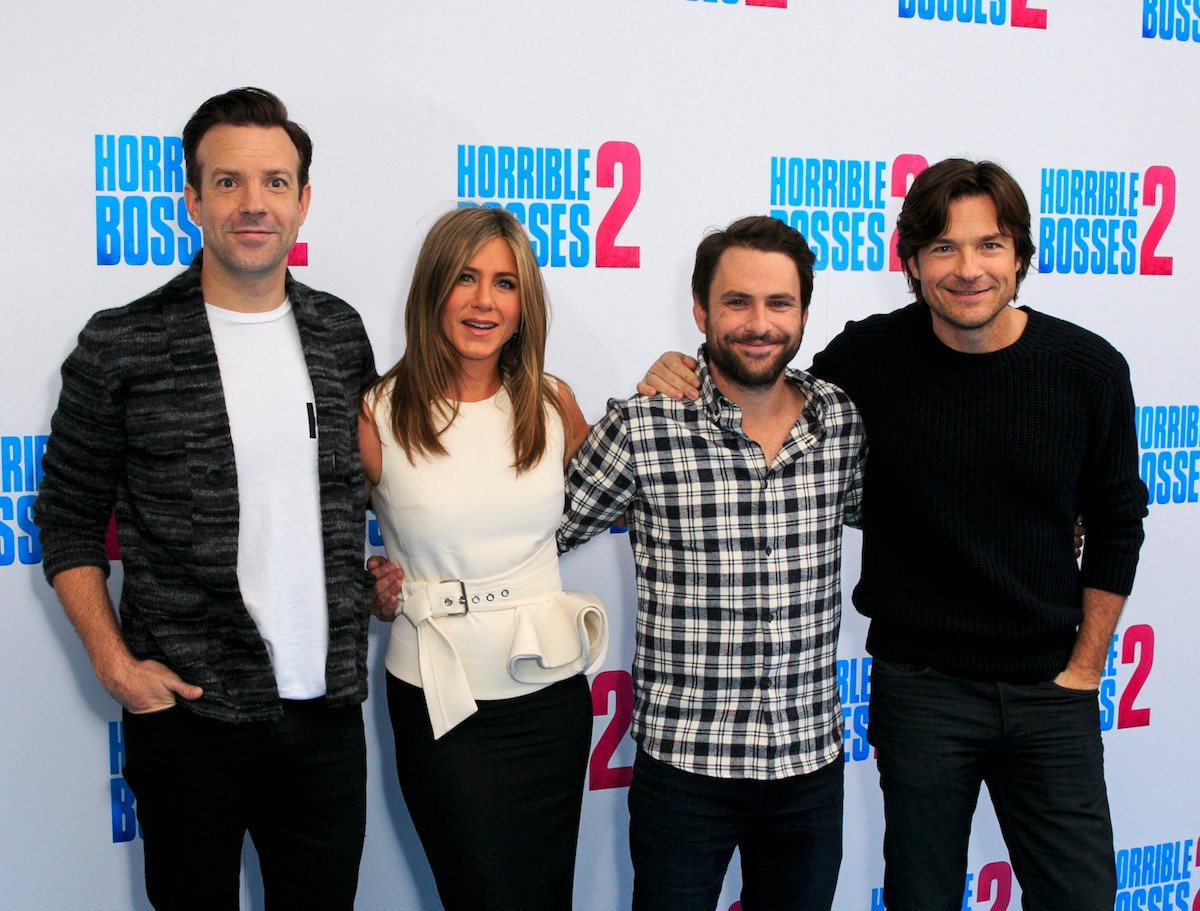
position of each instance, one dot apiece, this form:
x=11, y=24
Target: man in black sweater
x=216, y=416
x=990, y=428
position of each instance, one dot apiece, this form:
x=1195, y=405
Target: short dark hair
x=925, y=214
x=247, y=106
x=755, y=232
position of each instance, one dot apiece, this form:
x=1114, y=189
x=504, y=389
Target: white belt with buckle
x=558, y=634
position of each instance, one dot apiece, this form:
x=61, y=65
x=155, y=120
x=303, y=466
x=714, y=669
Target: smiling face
x=249, y=204
x=483, y=310
x=968, y=277
x=754, y=320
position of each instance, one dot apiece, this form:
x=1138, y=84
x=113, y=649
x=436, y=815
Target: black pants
x=1038, y=749
x=297, y=785
x=496, y=801
x=683, y=828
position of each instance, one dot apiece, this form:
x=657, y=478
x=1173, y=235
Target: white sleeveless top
x=473, y=536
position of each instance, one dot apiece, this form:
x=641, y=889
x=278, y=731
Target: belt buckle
x=462, y=586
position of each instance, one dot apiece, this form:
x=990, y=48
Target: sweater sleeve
x=83, y=464
x=1112, y=496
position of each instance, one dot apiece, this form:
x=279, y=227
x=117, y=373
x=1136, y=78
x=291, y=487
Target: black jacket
x=141, y=425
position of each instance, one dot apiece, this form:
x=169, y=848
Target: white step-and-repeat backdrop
x=618, y=130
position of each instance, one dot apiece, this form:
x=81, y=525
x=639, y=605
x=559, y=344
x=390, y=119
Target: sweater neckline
x=1020, y=349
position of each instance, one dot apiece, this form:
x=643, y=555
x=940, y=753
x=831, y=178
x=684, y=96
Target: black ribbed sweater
x=977, y=467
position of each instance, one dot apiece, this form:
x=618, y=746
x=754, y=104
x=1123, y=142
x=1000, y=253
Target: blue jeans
x=683, y=829
x=1038, y=749
x=297, y=785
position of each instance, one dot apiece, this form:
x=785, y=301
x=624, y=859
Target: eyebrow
x=469, y=268
x=237, y=172
x=773, y=296
x=999, y=235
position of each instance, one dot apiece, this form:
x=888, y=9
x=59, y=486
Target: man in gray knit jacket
x=216, y=416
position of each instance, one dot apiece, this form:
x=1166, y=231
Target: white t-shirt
x=272, y=418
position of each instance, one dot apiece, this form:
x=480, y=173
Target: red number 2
x=904, y=168
x=619, y=685
x=608, y=156
x=1024, y=16
x=998, y=874
x=1141, y=639
x=1159, y=176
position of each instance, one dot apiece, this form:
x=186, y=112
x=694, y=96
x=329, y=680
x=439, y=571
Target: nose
x=756, y=318
x=967, y=266
x=482, y=298
x=252, y=199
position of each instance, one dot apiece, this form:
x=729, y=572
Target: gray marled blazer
x=141, y=425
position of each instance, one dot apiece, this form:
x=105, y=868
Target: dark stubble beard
x=732, y=368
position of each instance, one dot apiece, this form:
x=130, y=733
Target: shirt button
x=213, y=475
x=766, y=683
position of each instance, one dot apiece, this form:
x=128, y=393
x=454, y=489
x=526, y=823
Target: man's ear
x=191, y=199
x=305, y=199
x=700, y=315
x=912, y=267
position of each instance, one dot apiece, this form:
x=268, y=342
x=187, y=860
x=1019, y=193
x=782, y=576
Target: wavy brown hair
x=425, y=381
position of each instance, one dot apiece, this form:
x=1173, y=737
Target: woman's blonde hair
x=425, y=381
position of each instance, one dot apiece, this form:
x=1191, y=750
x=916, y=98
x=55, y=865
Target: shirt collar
x=728, y=416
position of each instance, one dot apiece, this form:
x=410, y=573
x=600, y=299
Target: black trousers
x=1038, y=749
x=297, y=785
x=683, y=828
x=496, y=801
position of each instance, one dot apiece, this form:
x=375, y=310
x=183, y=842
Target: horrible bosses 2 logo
x=552, y=192
x=839, y=205
x=1169, y=443
x=140, y=214
x=1016, y=13
x=774, y=4
x=20, y=477
x=1090, y=221
x=1122, y=704
x=854, y=693
x=124, y=815
x=1171, y=20
x=141, y=218
x=991, y=889
x=1157, y=877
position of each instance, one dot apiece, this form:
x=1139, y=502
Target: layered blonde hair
x=425, y=382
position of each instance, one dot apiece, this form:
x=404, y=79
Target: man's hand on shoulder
x=672, y=375
x=385, y=597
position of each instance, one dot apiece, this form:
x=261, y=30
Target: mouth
x=756, y=344
x=479, y=327
x=967, y=292
x=253, y=235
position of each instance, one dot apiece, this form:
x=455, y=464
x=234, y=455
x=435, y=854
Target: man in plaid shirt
x=735, y=505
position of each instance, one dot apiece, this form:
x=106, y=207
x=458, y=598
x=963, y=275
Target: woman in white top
x=465, y=440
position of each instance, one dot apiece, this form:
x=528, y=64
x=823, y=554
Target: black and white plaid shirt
x=738, y=573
